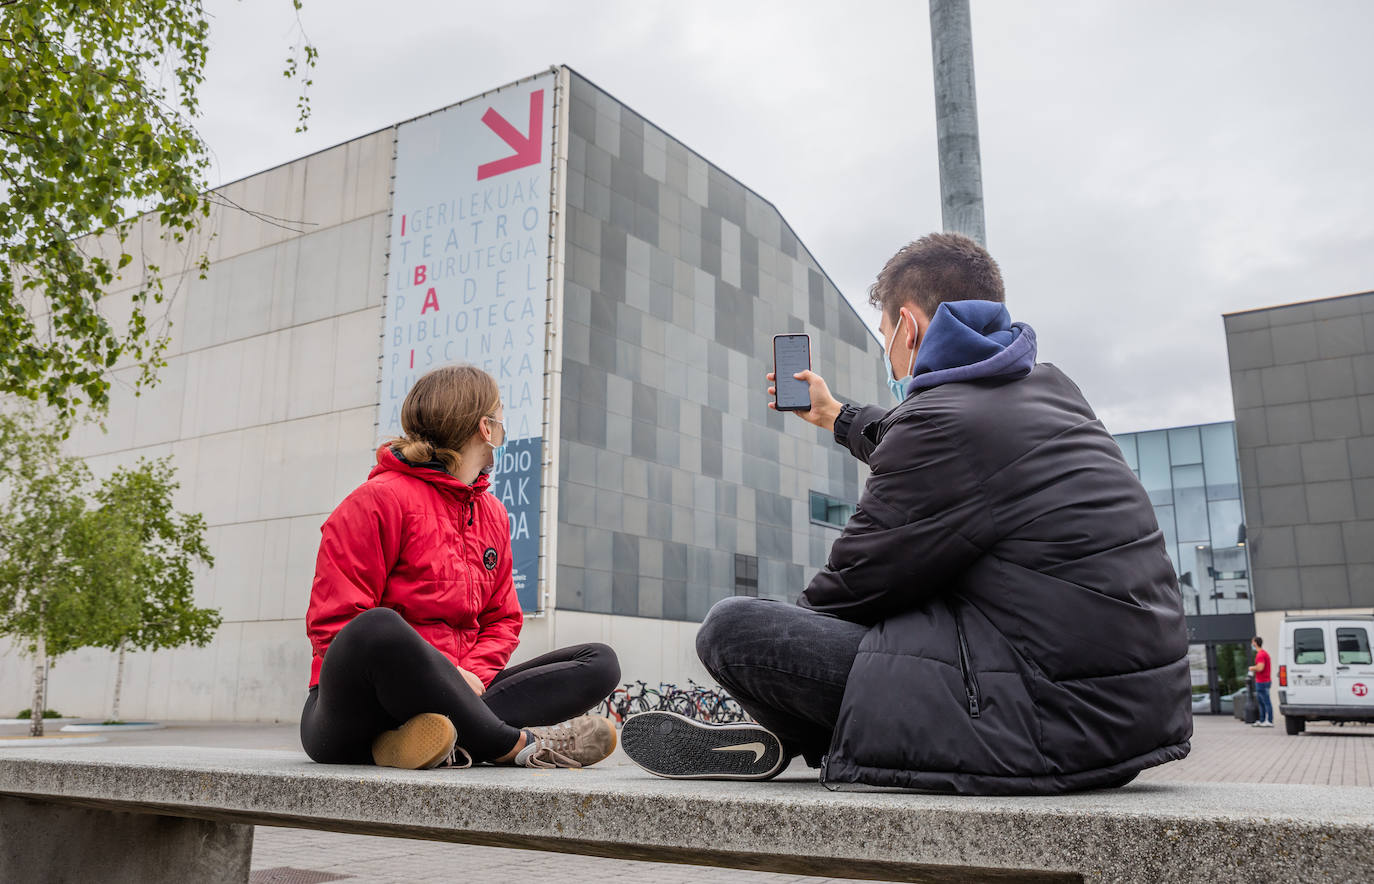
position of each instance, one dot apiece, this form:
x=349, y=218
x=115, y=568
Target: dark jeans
x=1266, y=706
x=379, y=672
x=787, y=667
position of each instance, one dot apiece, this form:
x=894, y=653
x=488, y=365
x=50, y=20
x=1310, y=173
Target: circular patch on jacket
x=489, y=558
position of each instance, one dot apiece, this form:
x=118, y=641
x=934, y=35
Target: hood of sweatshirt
x=972, y=341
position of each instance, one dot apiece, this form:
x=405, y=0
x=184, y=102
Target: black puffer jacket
x=1027, y=630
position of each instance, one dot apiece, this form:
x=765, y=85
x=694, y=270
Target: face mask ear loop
x=887, y=347
x=911, y=363
x=502, y=425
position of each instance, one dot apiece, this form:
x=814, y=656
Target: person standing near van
x=413, y=614
x=1261, y=669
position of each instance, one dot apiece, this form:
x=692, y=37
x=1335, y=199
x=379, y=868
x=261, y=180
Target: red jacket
x=436, y=551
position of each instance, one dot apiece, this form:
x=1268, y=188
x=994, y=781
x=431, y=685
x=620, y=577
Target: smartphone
x=791, y=354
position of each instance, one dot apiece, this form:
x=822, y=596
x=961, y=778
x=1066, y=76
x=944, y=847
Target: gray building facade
x=656, y=286
x=1302, y=376
x=679, y=486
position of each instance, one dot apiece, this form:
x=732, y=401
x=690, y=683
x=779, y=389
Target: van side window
x=1308, y=646
x=1352, y=646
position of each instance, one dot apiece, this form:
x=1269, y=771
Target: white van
x=1325, y=670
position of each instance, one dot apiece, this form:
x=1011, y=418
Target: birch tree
x=160, y=549
x=85, y=566
x=52, y=551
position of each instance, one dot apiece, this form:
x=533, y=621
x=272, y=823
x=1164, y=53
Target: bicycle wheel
x=619, y=704
x=626, y=704
x=723, y=709
x=683, y=704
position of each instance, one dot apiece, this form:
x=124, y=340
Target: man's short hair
x=936, y=268
x=1259, y=642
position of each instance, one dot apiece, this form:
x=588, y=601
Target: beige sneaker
x=580, y=742
x=425, y=741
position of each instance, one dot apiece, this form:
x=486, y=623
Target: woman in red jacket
x=413, y=613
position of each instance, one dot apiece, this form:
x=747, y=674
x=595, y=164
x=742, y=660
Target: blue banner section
x=515, y=481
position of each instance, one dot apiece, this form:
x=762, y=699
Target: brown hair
x=936, y=268
x=442, y=411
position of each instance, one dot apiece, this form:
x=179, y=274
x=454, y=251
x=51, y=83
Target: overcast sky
x=1147, y=166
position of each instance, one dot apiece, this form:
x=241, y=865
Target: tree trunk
x=40, y=681
x=119, y=682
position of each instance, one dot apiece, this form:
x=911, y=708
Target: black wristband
x=843, y=422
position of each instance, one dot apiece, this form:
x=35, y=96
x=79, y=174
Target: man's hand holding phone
x=825, y=408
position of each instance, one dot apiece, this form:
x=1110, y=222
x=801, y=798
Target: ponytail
x=422, y=451
x=441, y=413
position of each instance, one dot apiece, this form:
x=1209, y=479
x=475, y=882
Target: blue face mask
x=898, y=387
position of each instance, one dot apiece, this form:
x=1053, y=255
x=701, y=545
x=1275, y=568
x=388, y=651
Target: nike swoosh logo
x=757, y=748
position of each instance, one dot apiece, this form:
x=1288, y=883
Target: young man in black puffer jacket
x=1000, y=615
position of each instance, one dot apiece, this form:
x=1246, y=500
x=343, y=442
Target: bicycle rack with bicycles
x=709, y=704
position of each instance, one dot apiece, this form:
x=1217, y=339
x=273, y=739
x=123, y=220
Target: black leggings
x=379, y=673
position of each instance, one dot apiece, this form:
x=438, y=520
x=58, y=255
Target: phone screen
x=791, y=354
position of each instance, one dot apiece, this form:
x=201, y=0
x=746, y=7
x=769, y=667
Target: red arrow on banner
x=528, y=149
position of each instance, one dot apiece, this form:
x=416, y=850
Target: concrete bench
x=159, y=814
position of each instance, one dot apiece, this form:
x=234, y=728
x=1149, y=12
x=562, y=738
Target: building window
x=747, y=575
x=828, y=511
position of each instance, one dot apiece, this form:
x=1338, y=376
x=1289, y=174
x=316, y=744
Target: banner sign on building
x=468, y=277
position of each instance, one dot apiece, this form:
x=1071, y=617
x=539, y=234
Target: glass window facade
x=1191, y=476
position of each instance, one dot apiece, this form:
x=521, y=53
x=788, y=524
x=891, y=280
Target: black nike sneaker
x=670, y=745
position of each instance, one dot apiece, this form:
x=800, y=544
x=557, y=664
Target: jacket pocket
x=966, y=667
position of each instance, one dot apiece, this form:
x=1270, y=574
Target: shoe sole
x=676, y=747
x=419, y=744
x=615, y=740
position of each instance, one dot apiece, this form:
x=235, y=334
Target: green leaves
x=97, y=103
x=94, y=566
x=298, y=65
x=162, y=548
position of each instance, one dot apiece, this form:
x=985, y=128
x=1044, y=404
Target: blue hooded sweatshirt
x=972, y=341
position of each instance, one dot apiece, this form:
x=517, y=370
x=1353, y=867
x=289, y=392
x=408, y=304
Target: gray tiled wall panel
x=678, y=277
x=1302, y=377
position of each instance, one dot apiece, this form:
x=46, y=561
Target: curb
x=55, y=740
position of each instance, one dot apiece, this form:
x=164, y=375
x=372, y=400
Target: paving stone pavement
x=1224, y=750
x=1227, y=751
